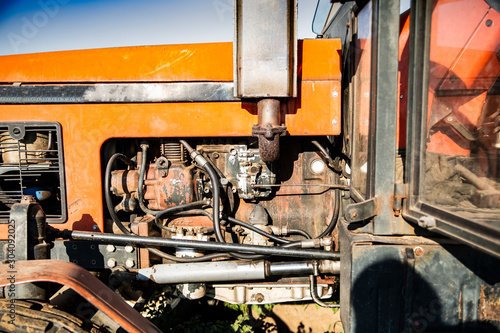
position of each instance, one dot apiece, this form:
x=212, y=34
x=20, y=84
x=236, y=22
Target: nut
x=129, y=249
x=259, y=298
x=353, y=214
x=110, y=248
x=111, y=263
x=130, y=263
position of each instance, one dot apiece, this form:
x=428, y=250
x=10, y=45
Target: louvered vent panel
x=31, y=163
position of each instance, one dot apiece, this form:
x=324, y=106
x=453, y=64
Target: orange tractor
x=363, y=164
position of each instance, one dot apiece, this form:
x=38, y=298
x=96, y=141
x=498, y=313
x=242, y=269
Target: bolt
x=449, y=119
x=129, y=249
x=335, y=94
x=234, y=190
x=130, y=263
x=259, y=298
x=95, y=227
x=206, y=190
x=334, y=122
x=110, y=248
x=111, y=263
x=400, y=96
x=489, y=23
x=366, y=94
x=215, y=155
x=427, y=222
x=353, y=214
x=418, y=251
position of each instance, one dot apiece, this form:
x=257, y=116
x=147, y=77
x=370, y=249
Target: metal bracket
x=400, y=192
x=362, y=210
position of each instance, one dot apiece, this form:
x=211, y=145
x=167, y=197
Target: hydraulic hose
x=107, y=189
x=336, y=211
x=214, y=179
x=178, y=208
x=140, y=189
x=119, y=224
x=299, y=232
x=334, y=165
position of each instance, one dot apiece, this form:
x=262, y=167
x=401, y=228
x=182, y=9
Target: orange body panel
x=85, y=127
x=190, y=62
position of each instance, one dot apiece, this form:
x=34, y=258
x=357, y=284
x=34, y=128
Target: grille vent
x=31, y=163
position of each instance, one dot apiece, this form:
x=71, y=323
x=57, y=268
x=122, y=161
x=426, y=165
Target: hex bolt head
x=110, y=248
x=129, y=249
x=130, y=263
x=111, y=263
x=259, y=298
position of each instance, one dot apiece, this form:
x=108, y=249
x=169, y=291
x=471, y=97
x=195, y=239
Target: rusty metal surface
x=269, y=129
x=163, y=190
x=297, y=206
x=82, y=282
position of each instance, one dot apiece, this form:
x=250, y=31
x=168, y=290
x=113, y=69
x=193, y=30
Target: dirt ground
x=302, y=318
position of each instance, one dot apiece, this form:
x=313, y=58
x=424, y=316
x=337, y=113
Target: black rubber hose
x=235, y=221
x=329, y=161
x=216, y=208
x=257, y=230
x=107, y=189
x=216, y=215
x=119, y=224
x=178, y=208
x=299, y=232
x=140, y=189
x=336, y=211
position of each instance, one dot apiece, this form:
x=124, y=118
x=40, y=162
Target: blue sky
x=28, y=26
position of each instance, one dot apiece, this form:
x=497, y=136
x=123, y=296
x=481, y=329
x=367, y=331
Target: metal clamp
x=361, y=211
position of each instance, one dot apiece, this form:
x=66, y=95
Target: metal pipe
x=209, y=246
x=303, y=268
x=269, y=112
x=269, y=129
x=224, y=271
x=204, y=272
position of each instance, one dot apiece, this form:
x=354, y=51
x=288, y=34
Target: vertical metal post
x=383, y=116
x=265, y=48
x=265, y=64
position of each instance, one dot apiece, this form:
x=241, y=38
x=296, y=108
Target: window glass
x=361, y=99
x=462, y=139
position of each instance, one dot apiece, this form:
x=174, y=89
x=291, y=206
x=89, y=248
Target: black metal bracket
x=361, y=211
